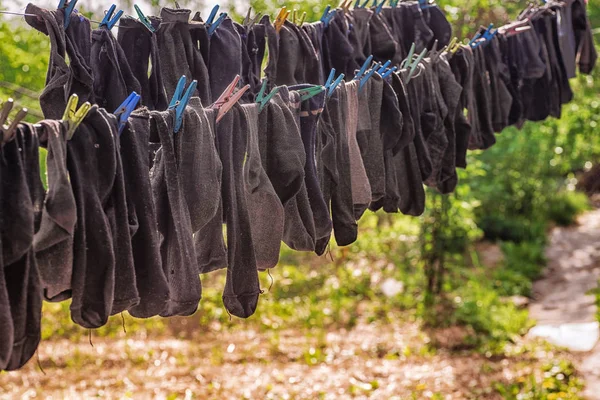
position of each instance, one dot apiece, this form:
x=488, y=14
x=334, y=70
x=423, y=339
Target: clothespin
x=280, y=19
x=213, y=26
x=263, y=100
x=8, y=130
x=125, y=109
x=331, y=84
x=424, y=4
x=297, y=21
x=389, y=72
x=143, y=19
x=415, y=64
x=364, y=67
x=406, y=62
x=379, y=6
x=384, y=66
x=73, y=116
x=228, y=98
x=310, y=92
x=394, y=3
x=109, y=21
x=327, y=15
x=68, y=10
x=212, y=15
x=345, y=5
x=249, y=22
x=180, y=100
x=367, y=75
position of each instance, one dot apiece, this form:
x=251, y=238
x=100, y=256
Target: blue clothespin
x=68, y=10
x=143, y=19
x=364, y=67
x=212, y=15
x=125, y=109
x=424, y=4
x=109, y=21
x=367, y=75
x=263, y=100
x=379, y=6
x=384, y=66
x=180, y=100
x=213, y=26
x=389, y=72
x=327, y=16
x=331, y=84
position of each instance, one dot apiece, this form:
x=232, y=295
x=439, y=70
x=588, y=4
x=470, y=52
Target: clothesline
x=135, y=207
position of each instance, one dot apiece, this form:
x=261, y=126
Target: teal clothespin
x=263, y=100
x=109, y=21
x=406, y=62
x=310, y=92
x=415, y=64
x=379, y=6
x=180, y=100
x=394, y=3
x=125, y=109
x=143, y=19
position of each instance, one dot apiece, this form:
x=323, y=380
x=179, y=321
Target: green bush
x=514, y=229
x=564, y=207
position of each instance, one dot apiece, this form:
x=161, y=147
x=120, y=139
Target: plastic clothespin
x=125, y=109
x=310, y=92
x=331, y=84
x=406, y=62
x=249, y=22
x=143, y=19
x=8, y=130
x=415, y=64
x=212, y=15
x=384, y=66
x=364, y=67
x=228, y=98
x=280, y=19
x=327, y=15
x=213, y=26
x=394, y=3
x=301, y=20
x=109, y=21
x=424, y=4
x=68, y=7
x=379, y=7
x=73, y=116
x=367, y=75
x=263, y=100
x=180, y=100
x=389, y=72
x=345, y=5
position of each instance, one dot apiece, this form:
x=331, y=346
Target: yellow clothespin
x=280, y=20
x=74, y=116
x=299, y=22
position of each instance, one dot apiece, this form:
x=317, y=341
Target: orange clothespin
x=280, y=20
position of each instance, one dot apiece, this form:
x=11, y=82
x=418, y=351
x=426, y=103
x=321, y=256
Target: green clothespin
x=73, y=116
x=143, y=19
x=310, y=92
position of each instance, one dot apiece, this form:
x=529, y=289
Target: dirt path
x=564, y=307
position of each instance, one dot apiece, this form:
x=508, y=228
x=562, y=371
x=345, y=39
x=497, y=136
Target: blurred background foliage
x=511, y=194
